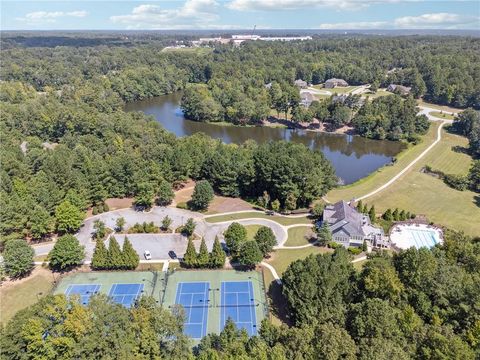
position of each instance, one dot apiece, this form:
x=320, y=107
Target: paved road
x=424, y=110
x=160, y=244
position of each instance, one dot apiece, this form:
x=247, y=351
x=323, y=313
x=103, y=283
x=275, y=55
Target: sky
x=239, y=14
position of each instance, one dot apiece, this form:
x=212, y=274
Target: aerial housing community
x=240, y=196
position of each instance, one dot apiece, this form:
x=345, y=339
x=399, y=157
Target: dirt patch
x=222, y=204
x=185, y=193
x=116, y=203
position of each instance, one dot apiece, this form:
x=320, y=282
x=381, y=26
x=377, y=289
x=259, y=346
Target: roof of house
x=300, y=82
x=400, y=88
x=334, y=80
x=343, y=218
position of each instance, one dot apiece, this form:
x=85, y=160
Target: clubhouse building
x=351, y=228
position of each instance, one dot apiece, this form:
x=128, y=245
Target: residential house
x=399, y=89
x=331, y=83
x=306, y=98
x=301, y=84
x=351, y=228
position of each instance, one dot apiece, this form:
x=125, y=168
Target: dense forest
x=418, y=304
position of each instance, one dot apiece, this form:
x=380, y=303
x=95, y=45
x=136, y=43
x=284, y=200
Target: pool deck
x=405, y=236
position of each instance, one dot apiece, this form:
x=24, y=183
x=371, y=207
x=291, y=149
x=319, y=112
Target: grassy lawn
x=421, y=102
x=251, y=231
x=423, y=194
x=282, y=258
x=379, y=93
x=442, y=115
x=280, y=219
x=149, y=267
x=385, y=173
x=23, y=293
x=338, y=90
x=299, y=236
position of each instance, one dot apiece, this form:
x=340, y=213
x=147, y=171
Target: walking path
x=414, y=161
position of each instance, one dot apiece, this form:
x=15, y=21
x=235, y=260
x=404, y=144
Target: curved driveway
x=160, y=244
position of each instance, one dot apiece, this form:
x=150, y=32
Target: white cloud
x=437, y=20
x=269, y=5
x=39, y=17
x=354, y=25
x=192, y=14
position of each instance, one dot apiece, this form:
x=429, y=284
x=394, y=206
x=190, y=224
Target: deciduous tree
x=66, y=253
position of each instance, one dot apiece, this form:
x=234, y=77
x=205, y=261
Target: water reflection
x=353, y=157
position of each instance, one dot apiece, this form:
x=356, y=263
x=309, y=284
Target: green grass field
x=23, y=293
x=424, y=194
x=300, y=235
x=282, y=258
x=247, y=215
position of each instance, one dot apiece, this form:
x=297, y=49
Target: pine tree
x=403, y=215
x=115, y=258
x=100, y=256
x=130, y=256
x=360, y=206
x=365, y=246
x=372, y=214
x=190, y=257
x=217, y=256
x=324, y=235
x=395, y=215
x=387, y=215
x=365, y=209
x=166, y=222
x=203, y=256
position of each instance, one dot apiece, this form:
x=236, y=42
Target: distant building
x=268, y=86
x=306, y=98
x=351, y=228
x=301, y=84
x=399, y=89
x=331, y=83
x=339, y=98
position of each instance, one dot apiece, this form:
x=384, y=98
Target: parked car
x=147, y=255
x=270, y=212
x=172, y=254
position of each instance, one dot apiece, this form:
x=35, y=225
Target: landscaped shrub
x=333, y=245
x=457, y=182
x=144, y=228
x=354, y=250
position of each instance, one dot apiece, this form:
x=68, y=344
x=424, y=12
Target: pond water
x=353, y=157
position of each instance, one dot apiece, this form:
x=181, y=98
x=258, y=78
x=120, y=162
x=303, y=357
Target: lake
x=353, y=157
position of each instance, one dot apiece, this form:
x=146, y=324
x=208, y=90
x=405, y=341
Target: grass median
x=301, y=235
x=251, y=215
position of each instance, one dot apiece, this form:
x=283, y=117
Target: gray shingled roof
x=343, y=216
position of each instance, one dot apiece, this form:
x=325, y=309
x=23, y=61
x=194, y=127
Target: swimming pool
x=418, y=236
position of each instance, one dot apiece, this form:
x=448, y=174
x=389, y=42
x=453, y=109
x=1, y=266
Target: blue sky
x=239, y=14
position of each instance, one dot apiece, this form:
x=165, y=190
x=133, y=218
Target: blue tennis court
x=238, y=304
x=84, y=291
x=193, y=296
x=125, y=294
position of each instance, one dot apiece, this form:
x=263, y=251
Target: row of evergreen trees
x=114, y=258
x=204, y=259
x=397, y=215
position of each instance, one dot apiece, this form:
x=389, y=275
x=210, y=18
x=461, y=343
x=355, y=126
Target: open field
x=384, y=174
x=299, y=236
x=442, y=115
x=247, y=215
x=221, y=204
x=424, y=194
x=17, y=295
